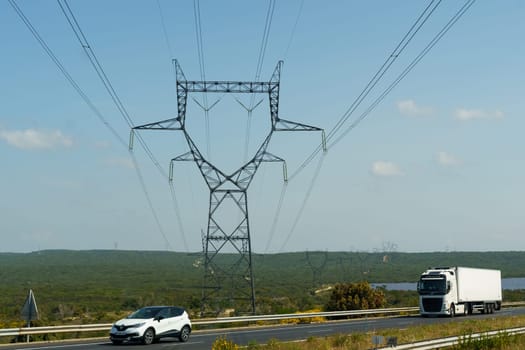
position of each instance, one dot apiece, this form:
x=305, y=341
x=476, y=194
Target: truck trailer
x=459, y=290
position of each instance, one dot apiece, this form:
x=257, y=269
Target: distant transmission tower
x=317, y=270
x=228, y=278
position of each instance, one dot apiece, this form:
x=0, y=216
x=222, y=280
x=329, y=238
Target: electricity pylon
x=228, y=278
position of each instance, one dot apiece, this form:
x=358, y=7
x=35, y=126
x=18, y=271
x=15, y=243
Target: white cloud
x=410, y=108
x=385, y=168
x=31, y=139
x=102, y=144
x=472, y=114
x=121, y=162
x=447, y=159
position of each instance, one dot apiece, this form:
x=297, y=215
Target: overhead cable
x=81, y=93
x=172, y=188
x=177, y=213
x=68, y=13
x=407, y=70
x=266, y=34
x=165, y=31
x=304, y=202
x=77, y=30
x=65, y=73
x=150, y=203
x=200, y=53
x=378, y=100
x=273, y=228
x=407, y=38
x=293, y=29
x=260, y=60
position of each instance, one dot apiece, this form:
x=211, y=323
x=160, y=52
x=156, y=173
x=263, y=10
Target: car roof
x=157, y=306
x=163, y=307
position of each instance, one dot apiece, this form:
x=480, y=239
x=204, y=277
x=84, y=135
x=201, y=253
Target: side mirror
x=158, y=318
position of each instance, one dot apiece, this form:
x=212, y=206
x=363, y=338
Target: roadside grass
x=363, y=341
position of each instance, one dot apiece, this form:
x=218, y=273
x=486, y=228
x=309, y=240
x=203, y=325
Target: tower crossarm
x=168, y=124
x=288, y=125
x=248, y=87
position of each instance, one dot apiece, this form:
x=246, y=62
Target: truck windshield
x=431, y=286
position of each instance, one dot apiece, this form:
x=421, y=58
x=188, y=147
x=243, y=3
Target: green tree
x=355, y=296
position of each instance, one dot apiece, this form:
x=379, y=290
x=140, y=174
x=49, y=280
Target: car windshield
x=146, y=312
x=432, y=286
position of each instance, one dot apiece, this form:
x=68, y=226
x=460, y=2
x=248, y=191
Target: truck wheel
x=452, y=310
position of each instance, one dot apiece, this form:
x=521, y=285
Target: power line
x=273, y=228
x=284, y=187
x=409, y=68
x=294, y=29
x=200, y=53
x=65, y=73
x=407, y=38
x=198, y=33
x=77, y=30
x=177, y=212
x=378, y=100
x=120, y=106
x=303, y=204
x=164, y=30
x=150, y=204
x=421, y=20
x=264, y=43
x=386, y=65
x=258, y=69
x=86, y=99
x=172, y=188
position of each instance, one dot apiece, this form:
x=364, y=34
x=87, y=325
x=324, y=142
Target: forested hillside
x=87, y=286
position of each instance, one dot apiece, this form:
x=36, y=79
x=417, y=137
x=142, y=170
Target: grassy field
x=100, y=285
x=363, y=341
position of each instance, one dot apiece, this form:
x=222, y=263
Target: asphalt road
x=243, y=336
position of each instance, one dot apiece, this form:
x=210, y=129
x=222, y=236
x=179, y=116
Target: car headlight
x=137, y=325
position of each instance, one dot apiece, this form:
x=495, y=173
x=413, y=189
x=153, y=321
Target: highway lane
x=243, y=336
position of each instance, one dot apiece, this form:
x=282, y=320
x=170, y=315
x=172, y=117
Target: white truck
x=459, y=290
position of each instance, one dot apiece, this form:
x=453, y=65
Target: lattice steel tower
x=228, y=278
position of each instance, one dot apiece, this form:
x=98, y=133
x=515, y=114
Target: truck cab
x=437, y=293
x=459, y=290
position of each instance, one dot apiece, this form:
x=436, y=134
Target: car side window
x=176, y=311
x=164, y=313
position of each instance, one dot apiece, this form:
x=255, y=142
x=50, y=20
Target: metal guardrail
x=246, y=319
x=220, y=320
x=450, y=341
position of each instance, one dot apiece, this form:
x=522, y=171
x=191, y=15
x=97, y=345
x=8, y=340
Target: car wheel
x=149, y=336
x=184, y=334
x=116, y=342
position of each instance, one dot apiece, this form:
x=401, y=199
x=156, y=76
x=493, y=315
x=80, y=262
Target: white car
x=151, y=323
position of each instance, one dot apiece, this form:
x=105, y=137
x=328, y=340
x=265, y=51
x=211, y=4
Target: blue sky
x=437, y=166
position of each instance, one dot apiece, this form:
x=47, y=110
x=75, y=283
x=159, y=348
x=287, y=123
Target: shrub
x=355, y=296
x=222, y=343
